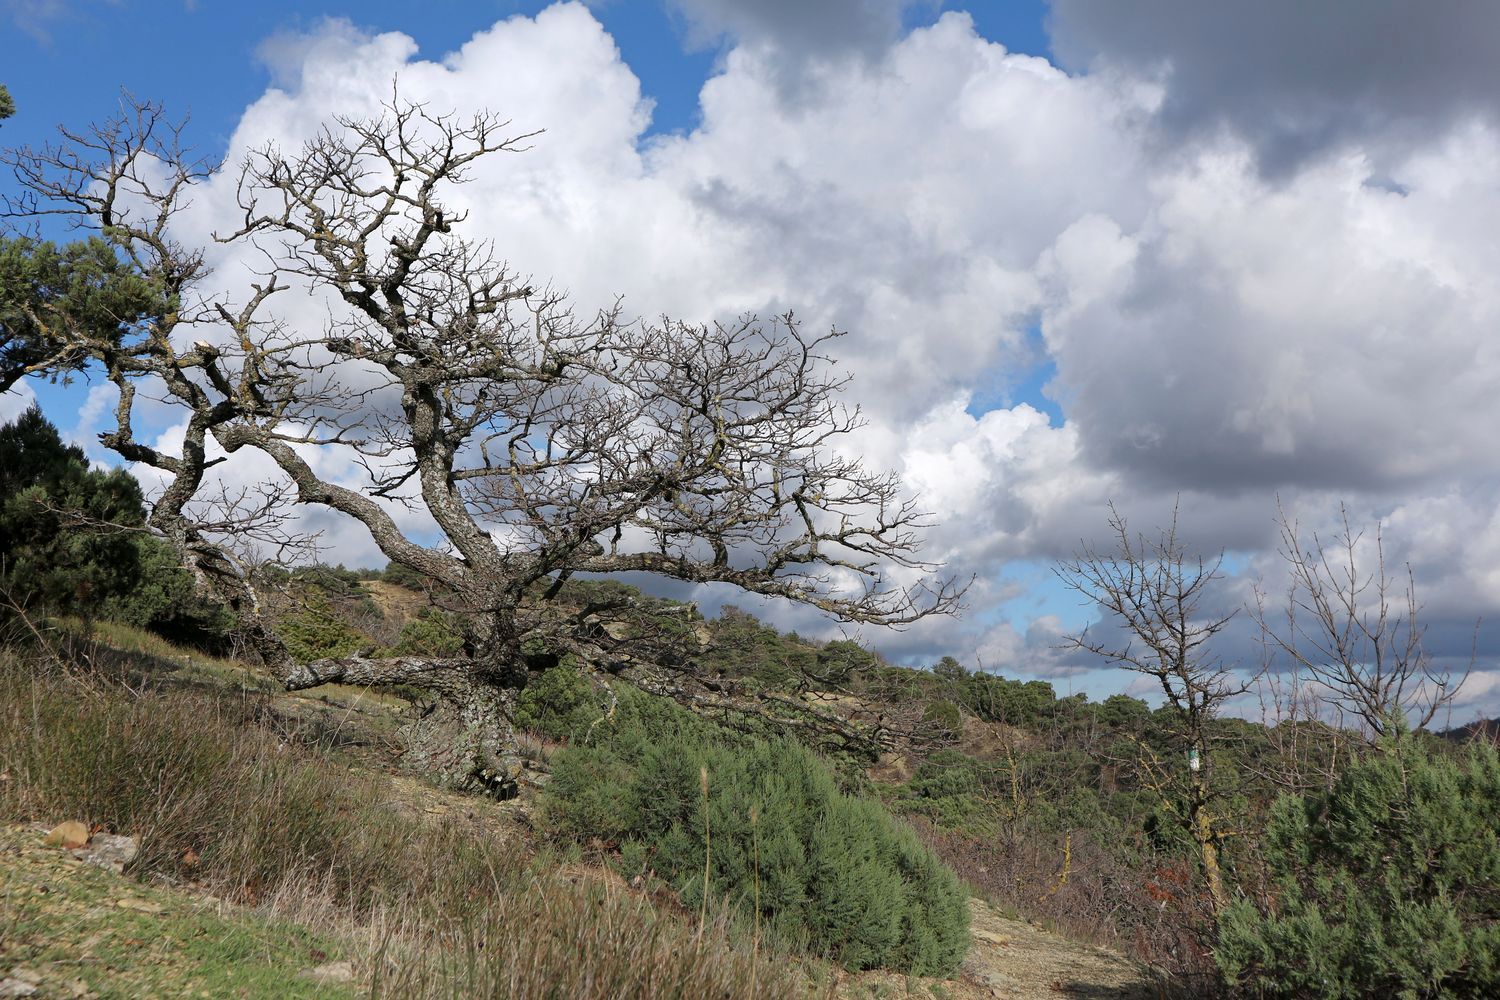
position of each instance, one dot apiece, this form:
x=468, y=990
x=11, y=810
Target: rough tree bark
x=542, y=445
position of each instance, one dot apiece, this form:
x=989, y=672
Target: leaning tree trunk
x=464, y=737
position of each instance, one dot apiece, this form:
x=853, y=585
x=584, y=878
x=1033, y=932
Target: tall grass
x=596, y=941
x=216, y=795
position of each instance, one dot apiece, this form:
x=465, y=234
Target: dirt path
x=1011, y=958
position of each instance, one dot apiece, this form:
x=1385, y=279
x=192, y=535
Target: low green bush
x=832, y=872
x=1387, y=885
x=166, y=601
x=997, y=699
x=943, y=721
x=314, y=631
x=433, y=632
x=404, y=576
x=741, y=646
x=951, y=790
x=560, y=704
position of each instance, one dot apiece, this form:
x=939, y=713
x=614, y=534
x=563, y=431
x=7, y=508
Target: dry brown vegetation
x=225, y=800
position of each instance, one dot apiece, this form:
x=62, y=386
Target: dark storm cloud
x=1293, y=77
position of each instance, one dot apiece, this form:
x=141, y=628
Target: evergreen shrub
x=837, y=873
x=433, y=632
x=69, y=563
x=949, y=789
x=73, y=541
x=560, y=704
x=998, y=699
x=943, y=720
x=404, y=576
x=1388, y=885
x=314, y=632
x=165, y=600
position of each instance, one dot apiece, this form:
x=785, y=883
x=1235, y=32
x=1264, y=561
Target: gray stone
x=110, y=851
x=332, y=972
x=13, y=987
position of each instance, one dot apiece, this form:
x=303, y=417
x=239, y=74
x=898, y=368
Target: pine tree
x=832, y=871
x=49, y=293
x=73, y=541
x=1387, y=885
x=60, y=547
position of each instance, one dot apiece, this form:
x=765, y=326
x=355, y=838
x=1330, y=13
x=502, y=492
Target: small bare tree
x=542, y=444
x=1352, y=632
x=1155, y=597
x=1308, y=748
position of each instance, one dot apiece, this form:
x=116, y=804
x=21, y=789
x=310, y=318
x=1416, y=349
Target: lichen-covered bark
x=463, y=736
x=464, y=741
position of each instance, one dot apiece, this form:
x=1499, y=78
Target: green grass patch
x=64, y=921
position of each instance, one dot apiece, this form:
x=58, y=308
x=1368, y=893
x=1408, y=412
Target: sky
x=1216, y=257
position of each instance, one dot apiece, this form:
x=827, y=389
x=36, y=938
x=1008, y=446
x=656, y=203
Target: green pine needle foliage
x=838, y=874
x=433, y=632
x=315, y=632
x=560, y=704
x=943, y=721
x=1388, y=885
x=73, y=541
x=64, y=562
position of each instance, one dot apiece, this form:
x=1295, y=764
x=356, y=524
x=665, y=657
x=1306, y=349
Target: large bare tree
x=542, y=444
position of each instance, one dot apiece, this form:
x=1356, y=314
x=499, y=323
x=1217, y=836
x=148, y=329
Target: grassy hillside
x=238, y=798
x=820, y=856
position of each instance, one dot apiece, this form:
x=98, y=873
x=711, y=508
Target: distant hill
x=1488, y=729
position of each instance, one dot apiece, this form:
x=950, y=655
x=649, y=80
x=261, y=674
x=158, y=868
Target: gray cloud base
x=1297, y=78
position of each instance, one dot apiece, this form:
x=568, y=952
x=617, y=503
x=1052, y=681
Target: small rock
x=331, y=972
x=998, y=982
x=139, y=905
x=70, y=835
x=109, y=851
x=20, y=983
